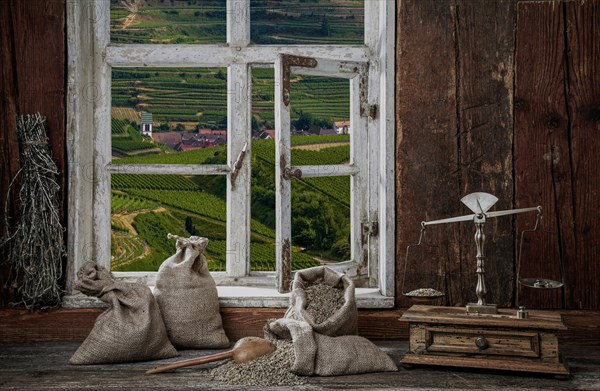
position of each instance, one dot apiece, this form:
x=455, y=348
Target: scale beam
x=499, y=213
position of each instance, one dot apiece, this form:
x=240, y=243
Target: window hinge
x=238, y=164
x=371, y=111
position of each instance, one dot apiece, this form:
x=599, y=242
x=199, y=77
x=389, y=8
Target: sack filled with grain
x=321, y=355
x=130, y=330
x=325, y=300
x=188, y=299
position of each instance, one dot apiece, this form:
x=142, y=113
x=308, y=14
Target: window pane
x=169, y=115
x=320, y=220
x=168, y=21
x=307, y=21
x=320, y=116
x=321, y=128
x=262, y=245
x=145, y=208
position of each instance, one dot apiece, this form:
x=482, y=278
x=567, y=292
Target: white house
x=146, y=124
x=342, y=127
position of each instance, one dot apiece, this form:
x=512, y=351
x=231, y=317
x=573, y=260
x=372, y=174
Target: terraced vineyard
x=147, y=207
x=272, y=22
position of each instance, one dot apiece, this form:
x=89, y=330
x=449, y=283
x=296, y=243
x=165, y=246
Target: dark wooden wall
x=32, y=79
x=495, y=96
x=501, y=97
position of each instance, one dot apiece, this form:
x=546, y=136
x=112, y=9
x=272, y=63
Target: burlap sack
x=317, y=354
x=343, y=321
x=188, y=299
x=130, y=330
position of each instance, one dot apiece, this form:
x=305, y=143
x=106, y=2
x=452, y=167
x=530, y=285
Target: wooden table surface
x=44, y=366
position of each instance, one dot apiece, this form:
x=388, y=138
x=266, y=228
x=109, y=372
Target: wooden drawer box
x=481, y=341
x=448, y=336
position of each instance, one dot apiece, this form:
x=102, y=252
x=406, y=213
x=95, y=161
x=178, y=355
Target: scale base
x=478, y=309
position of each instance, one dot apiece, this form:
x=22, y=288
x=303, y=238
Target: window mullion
x=238, y=23
x=238, y=190
x=283, y=203
x=372, y=40
x=102, y=134
x=359, y=182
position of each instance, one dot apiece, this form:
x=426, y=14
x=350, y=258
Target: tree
x=304, y=121
x=325, y=30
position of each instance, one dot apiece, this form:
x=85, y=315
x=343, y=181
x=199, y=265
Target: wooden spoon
x=244, y=350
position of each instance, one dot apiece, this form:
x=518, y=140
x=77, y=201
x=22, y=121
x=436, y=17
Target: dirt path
x=127, y=218
x=318, y=147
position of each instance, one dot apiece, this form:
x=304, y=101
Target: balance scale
x=481, y=335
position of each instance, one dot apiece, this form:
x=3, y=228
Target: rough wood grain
x=541, y=147
x=582, y=270
x=9, y=148
x=485, y=64
x=75, y=324
x=33, y=80
x=45, y=366
x=426, y=148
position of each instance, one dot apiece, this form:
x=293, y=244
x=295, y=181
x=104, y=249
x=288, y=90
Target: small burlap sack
x=130, y=330
x=317, y=354
x=188, y=299
x=344, y=321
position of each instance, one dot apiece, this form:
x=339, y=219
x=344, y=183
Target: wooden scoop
x=244, y=350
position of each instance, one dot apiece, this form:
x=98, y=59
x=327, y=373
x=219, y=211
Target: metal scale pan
x=537, y=282
x=420, y=295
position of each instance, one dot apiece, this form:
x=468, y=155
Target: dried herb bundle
x=35, y=248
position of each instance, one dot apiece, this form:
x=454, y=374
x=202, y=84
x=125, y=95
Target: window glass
x=158, y=113
x=168, y=21
x=307, y=22
x=321, y=219
x=145, y=208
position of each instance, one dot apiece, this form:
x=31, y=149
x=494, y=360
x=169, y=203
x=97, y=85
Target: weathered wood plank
x=541, y=146
x=582, y=269
x=9, y=148
x=485, y=41
x=33, y=80
x=426, y=147
x=75, y=324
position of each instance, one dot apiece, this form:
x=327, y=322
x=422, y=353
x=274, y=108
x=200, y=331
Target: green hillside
x=147, y=207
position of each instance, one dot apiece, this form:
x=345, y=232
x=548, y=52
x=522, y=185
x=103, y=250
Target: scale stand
x=479, y=203
x=447, y=336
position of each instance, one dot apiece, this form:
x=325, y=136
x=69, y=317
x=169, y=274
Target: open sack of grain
x=325, y=300
x=187, y=296
x=130, y=330
x=321, y=355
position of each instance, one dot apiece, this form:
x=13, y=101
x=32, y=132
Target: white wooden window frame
x=91, y=57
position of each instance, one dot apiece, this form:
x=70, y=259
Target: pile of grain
x=425, y=292
x=271, y=370
x=322, y=301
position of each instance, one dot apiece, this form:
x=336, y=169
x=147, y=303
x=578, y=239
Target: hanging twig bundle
x=36, y=247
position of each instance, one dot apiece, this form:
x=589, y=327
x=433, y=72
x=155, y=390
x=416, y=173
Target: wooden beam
x=485, y=51
x=17, y=325
x=541, y=148
x=426, y=146
x=582, y=270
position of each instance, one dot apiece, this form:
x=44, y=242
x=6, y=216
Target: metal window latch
x=369, y=229
x=291, y=172
x=238, y=164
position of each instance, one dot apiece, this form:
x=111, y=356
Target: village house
x=342, y=127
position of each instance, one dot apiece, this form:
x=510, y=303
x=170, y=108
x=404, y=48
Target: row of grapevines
x=152, y=182
x=125, y=203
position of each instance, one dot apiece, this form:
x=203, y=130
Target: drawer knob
x=482, y=343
